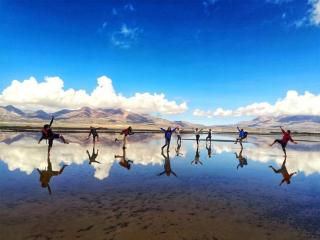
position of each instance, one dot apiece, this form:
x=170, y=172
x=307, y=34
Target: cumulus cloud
x=292, y=104
x=50, y=95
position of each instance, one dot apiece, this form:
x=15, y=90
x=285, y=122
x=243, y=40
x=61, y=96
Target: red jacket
x=286, y=137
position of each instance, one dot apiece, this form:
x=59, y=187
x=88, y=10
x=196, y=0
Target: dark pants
x=167, y=143
x=51, y=138
x=197, y=138
x=283, y=144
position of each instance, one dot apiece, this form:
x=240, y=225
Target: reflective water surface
x=210, y=191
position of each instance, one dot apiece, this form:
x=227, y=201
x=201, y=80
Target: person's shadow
x=123, y=160
x=209, y=149
x=93, y=156
x=196, y=159
x=46, y=175
x=242, y=160
x=283, y=170
x=167, y=165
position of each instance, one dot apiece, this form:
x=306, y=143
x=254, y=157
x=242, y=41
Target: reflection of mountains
x=304, y=157
x=22, y=152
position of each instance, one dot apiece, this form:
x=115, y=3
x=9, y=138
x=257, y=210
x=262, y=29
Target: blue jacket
x=167, y=134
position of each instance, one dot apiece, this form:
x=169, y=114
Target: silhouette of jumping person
x=46, y=175
x=167, y=166
x=242, y=160
x=283, y=170
x=197, y=132
x=94, y=133
x=208, y=138
x=242, y=135
x=49, y=135
x=286, y=137
x=209, y=149
x=167, y=136
x=94, y=155
x=196, y=159
x=123, y=161
x=125, y=132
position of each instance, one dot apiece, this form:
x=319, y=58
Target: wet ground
x=231, y=194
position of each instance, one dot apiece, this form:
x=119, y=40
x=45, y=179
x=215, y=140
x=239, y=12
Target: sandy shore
x=149, y=213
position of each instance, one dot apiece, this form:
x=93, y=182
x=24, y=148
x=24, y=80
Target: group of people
x=49, y=135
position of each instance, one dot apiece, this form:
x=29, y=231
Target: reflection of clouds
x=21, y=152
x=26, y=155
x=301, y=158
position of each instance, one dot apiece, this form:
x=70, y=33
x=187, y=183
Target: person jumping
x=94, y=133
x=178, y=132
x=125, y=133
x=48, y=134
x=286, y=137
x=208, y=138
x=167, y=136
x=197, y=132
x=242, y=135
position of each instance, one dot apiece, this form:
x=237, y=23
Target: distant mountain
x=38, y=114
x=8, y=113
x=301, y=123
x=88, y=116
x=13, y=109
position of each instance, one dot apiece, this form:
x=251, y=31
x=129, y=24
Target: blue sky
x=209, y=54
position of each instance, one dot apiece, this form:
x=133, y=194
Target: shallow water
x=217, y=198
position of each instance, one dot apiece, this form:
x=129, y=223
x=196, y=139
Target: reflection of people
x=286, y=137
x=283, y=170
x=197, y=132
x=94, y=155
x=242, y=135
x=242, y=160
x=125, y=133
x=167, y=165
x=196, y=159
x=123, y=161
x=178, y=132
x=208, y=138
x=209, y=149
x=94, y=133
x=48, y=134
x=45, y=175
x=167, y=136
x=178, y=149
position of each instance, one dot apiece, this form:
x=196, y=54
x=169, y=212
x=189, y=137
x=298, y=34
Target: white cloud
x=305, y=161
x=50, y=95
x=125, y=37
x=14, y=155
x=292, y=104
x=312, y=17
x=315, y=12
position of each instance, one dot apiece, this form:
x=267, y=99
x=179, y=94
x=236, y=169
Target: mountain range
x=87, y=116
x=106, y=117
